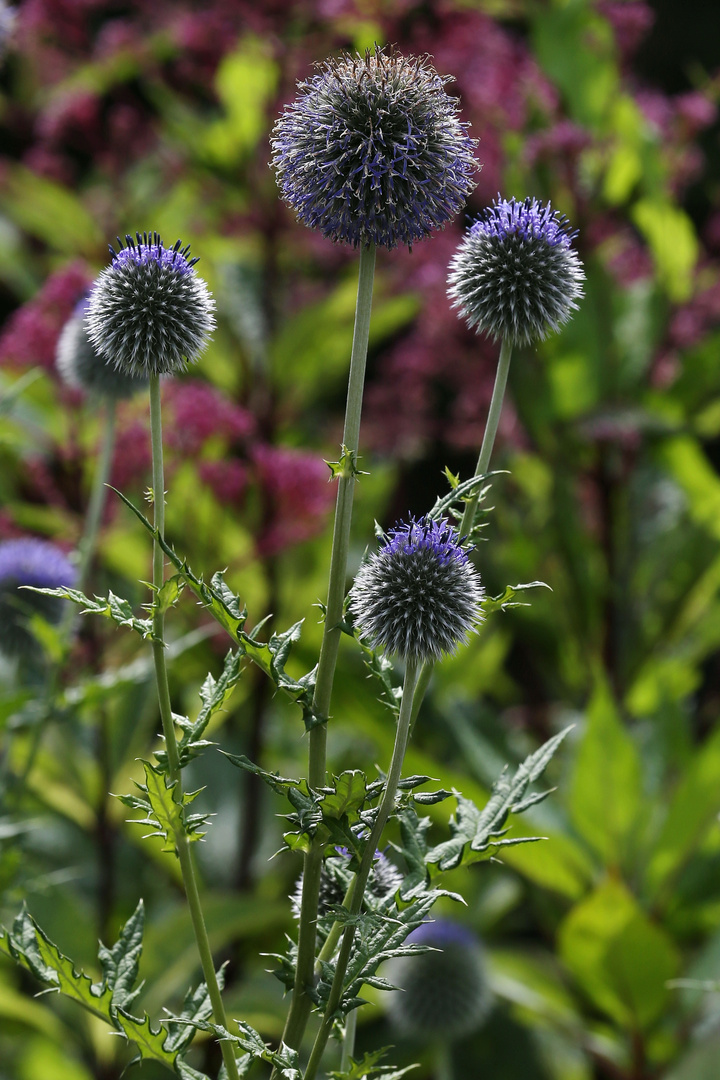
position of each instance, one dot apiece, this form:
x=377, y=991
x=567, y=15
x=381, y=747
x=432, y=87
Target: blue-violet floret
x=29, y=561
x=516, y=275
x=372, y=151
x=419, y=596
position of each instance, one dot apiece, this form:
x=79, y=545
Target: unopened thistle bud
x=443, y=995
x=372, y=150
x=83, y=368
x=149, y=313
x=515, y=275
x=27, y=561
x=419, y=596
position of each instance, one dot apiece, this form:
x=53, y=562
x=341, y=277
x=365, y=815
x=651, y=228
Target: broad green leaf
x=671, y=235
x=49, y=211
x=245, y=82
x=693, y=810
x=606, y=792
x=619, y=957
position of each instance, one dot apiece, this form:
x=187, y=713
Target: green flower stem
x=184, y=853
x=98, y=496
x=496, y=403
x=443, y=1061
x=385, y=808
x=304, y=973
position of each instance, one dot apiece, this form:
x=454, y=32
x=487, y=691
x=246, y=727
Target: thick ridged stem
x=496, y=404
x=184, y=852
x=385, y=808
x=317, y=738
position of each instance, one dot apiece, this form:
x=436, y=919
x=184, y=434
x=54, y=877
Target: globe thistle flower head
x=28, y=561
x=516, y=275
x=444, y=994
x=384, y=881
x=149, y=313
x=419, y=596
x=372, y=151
x=83, y=368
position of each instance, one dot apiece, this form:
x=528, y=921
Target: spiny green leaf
x=369, y=1068
x=195, y=1008
x=506, y=599
x=346, y=466
x=163, y=813
x=346, y=796
x=284, y=1060
x=30, y=946
x=110, y=607
x=475, y=833
x=149, y=1041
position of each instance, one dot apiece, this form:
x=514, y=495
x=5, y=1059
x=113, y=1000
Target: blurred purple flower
x=299, y=495
x=31, y=334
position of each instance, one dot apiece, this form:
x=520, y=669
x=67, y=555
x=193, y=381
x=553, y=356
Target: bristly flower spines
x=149, y=313
x=372, y=150
x=419, y=596
x=515, y=275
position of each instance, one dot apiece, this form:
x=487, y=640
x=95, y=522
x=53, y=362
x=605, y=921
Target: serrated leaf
x=169, y=593
x=346, y=796
x=149, y=1041
x=284, y=1060
x=30, y=946
x=475, y=833
x=506, y=599
x=163, y=813
x=369, y=1068
x=195, y=1008
x=120, y=964
x=110, y=607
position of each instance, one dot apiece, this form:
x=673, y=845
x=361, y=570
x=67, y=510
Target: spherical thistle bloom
x=83, y=368
x=148, y=312
x=419, y=596
x=28, y=561
x=372, y=151
x=384, y=881
x=444, y=994
x=515, y=274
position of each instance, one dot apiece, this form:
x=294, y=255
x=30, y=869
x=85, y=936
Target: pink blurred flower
x=295, y=484
x=132, y=462
x=197, y=411
x=31, y=333
x=226, y=479
x=630, y=20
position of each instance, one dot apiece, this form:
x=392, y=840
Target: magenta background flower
x=31, y=334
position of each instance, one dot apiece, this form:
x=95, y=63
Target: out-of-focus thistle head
x=28, y=561
x=83, y=368
x=149, y=313
x=444, y=995
x=419, y=596
x=515, y=274
x=385, y=879
x=372, y=151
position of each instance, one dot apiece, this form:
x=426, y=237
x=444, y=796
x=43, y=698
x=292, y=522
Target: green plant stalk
x=184, y=853
x=384, y=810
x=304, y=974
x=348, y=1047
x=98, y=496
x=486, y=449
